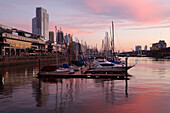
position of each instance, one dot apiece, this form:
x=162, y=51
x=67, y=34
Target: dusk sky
x=137, y=22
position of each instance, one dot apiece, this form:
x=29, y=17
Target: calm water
x=148, y=91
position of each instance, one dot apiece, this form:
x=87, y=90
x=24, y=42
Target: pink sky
x=137, y=22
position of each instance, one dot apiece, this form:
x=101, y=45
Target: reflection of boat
x=103, y=66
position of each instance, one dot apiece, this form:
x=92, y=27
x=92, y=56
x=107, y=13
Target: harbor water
x=148, y=91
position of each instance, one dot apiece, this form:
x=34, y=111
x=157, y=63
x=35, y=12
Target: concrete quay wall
x=20, y=60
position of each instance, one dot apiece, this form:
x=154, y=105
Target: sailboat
x=102, y=65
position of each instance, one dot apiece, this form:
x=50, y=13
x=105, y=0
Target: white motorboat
x=103, y=66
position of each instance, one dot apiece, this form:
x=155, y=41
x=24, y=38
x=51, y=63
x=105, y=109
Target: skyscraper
x=138, y=48
x=40, y=23
x=60, y=37
x=51, y=36
x=145, y=48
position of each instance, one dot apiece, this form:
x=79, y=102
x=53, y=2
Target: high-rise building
x=51, y=36
x=40, y=23
x=60, y=37
x=138, y=48
x=67, y=38
x=145, y=48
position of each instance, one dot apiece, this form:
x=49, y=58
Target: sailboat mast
x=112, y=38
x=56, y=45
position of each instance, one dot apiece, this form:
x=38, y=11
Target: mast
x=112, y=38
x=56, y=45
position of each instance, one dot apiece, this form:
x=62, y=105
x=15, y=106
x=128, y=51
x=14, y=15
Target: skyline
x=140, y=22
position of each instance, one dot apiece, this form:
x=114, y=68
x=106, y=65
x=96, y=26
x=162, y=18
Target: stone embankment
x=20, y=60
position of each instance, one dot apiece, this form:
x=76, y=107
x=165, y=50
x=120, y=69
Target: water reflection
x=69, y=92
x=148, y=91
x=40, y=92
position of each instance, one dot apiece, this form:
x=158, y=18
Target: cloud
x=147, y=11
x=153, y=27
x=68, y=28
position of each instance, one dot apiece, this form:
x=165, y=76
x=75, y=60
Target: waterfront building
x=14, y=42
x=160, y=45
x=145, y=48
x=40, y=23
x=138, y=48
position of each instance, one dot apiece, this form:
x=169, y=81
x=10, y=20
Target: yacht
x=102, y=66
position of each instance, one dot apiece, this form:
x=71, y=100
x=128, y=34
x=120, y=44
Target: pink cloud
x=67, y=28
x=75, y=31
x=98, y=14
x=152, y=27
x=149, y=11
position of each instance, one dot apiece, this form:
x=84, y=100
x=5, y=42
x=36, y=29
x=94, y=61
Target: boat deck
x=81, y=74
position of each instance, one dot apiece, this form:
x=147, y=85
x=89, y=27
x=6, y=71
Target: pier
x=82, y=74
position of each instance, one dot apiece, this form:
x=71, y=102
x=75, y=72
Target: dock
x=81, y=74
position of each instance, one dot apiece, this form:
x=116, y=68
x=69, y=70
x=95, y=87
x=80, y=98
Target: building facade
x=60, y=37
x=160, y=45
x=145, y=48
x=15, y=42
x=40, y=23
x=138, y=48
x=51, y=36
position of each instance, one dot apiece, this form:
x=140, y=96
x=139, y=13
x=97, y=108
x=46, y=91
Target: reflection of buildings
x=40, y=92
x=107, y=86
x=67, y=91
x=12, y=78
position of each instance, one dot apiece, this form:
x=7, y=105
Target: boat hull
x=109, y=70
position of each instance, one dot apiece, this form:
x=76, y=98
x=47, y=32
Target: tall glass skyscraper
x=40, y=24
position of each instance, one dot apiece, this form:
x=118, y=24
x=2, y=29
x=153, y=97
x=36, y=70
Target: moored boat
x=105, y=67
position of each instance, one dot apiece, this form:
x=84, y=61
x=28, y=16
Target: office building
x=40, y=23
x=60, y=37
x=51, y=36
x=145, y=48
x=67, y=39
x=160, y=45
x=138, y=48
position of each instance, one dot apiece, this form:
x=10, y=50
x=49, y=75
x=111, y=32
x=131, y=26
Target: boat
x=56, y=70
x=102, y=66
x=167, y=57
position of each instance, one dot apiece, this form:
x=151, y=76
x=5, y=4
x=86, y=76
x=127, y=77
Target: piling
x=39, y=64
x=126, y=80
